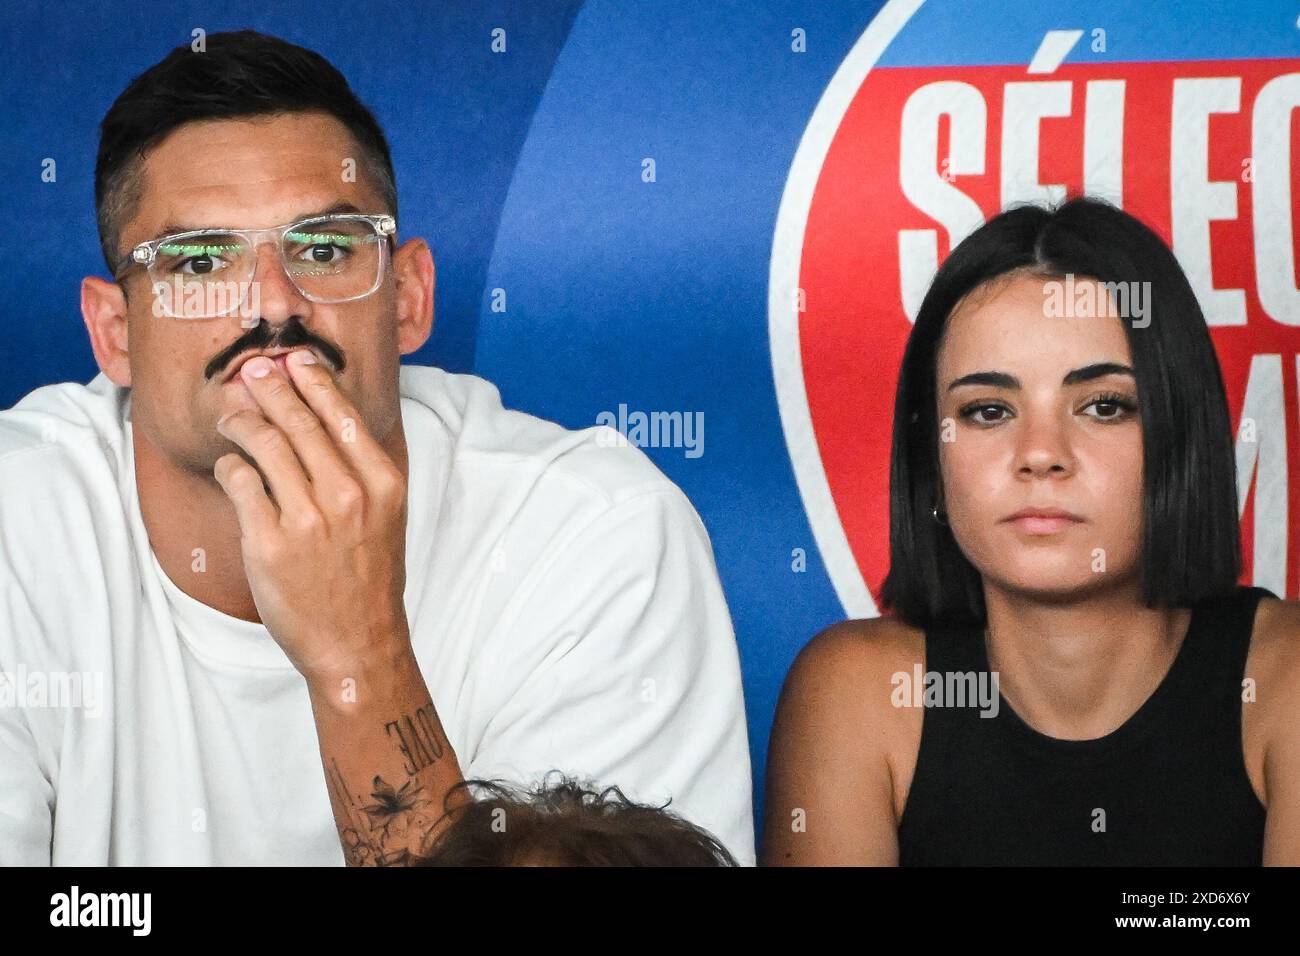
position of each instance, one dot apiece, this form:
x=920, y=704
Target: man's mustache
x=263, y=337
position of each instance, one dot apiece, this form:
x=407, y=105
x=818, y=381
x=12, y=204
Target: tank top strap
x=1231, y=622
x=1219, y=648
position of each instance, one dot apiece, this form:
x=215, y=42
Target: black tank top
x=1167, y=788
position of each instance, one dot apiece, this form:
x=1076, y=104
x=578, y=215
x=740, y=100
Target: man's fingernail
x=302, y=357
x=259, y=367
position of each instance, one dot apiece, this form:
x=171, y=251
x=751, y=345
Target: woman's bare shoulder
x=835, y=748
x=1275, y=644
x=1277, y=619
x=864, y=640
x=854, y=655
x=1271, y=714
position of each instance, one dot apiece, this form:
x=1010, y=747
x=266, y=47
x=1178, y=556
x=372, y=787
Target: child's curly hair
x=566, y=822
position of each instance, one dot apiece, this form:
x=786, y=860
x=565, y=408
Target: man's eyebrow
x=1004, y=380
x=171, y=228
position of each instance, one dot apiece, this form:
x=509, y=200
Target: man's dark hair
x=1191, y=548
x=238, y=75
x=564, y=822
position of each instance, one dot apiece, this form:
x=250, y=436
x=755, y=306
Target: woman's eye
x=1110, y=409
x=985, y=414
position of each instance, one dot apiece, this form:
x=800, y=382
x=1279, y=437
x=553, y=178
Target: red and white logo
x=898, y=164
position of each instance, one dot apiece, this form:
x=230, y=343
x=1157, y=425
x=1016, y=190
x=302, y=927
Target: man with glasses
x=283, y=593
x=210, y=272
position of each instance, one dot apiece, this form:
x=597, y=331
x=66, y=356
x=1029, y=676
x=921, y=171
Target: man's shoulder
x=594, y=462
x=56, y=422
x=61, y=450
x=58, y=498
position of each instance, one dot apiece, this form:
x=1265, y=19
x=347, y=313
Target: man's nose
x=273, y=295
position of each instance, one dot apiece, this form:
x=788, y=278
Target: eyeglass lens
x=329, y=260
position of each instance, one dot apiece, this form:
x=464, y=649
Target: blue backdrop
x=527, y=172
x=524, y=171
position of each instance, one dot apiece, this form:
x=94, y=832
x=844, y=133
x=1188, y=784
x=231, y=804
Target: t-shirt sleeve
x=26, y=795
x=638, y=680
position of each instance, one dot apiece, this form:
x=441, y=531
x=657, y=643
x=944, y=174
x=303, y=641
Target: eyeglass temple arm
x=140, y=255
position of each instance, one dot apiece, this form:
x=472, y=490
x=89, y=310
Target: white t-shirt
x=563, y=603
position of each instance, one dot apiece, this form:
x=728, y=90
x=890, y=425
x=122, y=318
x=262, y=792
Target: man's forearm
x=388, y=764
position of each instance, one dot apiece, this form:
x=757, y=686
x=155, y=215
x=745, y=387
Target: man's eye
x=200, y=265
x=321, y=252
x=198, y=258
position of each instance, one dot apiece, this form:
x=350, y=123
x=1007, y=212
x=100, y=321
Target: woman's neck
x=1079, y=670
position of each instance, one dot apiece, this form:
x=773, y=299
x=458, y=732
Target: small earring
x=934, y=513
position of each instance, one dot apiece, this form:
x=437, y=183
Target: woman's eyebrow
x=996, y=379
x=1007, y=381
x=1097, y=370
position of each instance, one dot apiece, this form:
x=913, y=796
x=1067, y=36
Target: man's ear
x=103, y=307
x=414, y=269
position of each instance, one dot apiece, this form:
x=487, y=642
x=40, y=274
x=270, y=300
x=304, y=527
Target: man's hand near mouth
x=281, y=360
x=324, y=554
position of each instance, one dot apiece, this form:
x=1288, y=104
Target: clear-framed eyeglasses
x=206, y=273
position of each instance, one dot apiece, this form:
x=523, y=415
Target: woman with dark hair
x=1070, y=673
